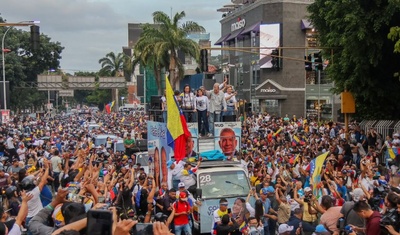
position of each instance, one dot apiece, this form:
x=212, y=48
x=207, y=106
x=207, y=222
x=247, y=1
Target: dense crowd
x=52, y=174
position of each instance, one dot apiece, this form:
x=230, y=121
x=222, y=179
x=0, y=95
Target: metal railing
x=383, y=127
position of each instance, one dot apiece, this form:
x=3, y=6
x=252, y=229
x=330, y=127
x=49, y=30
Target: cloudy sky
x=89, y=29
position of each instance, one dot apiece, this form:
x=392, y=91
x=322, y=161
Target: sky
x=89, y=29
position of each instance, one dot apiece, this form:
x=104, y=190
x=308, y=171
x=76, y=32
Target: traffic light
x=35, y=37
x=318, y=61
x=308, y=64
x=275, y=60
x=204, y=60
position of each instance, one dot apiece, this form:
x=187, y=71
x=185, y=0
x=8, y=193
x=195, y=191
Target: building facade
x=264, y=44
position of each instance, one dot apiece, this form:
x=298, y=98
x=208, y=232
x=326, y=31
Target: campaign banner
x=159, y=151
x=194, y=131
x=227, y=137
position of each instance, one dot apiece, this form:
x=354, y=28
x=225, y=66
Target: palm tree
x=144, y=54
x=165, y=39
x=113, y=66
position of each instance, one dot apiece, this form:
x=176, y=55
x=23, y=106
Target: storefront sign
x=238, y=25
x=268, y=90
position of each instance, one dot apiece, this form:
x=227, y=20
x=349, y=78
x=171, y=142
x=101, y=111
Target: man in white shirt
x=56, y=168
x=10, y=146
x=175, y=171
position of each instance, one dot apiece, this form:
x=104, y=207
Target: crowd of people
x=52, y=174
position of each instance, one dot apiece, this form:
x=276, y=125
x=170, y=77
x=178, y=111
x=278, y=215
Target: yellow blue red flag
x=178, y=132
x=315, y=171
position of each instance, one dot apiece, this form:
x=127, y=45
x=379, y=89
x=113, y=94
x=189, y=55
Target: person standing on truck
x=218, y=214
x=129, y=143
x=175, y=172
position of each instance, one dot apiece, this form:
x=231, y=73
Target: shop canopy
x=253, y=28
x=234, y=35
x=222, y=39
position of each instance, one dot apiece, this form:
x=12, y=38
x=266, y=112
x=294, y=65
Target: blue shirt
x=46, y=196
x=266, y=207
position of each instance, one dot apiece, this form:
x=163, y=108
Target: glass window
x=223, y=184
x=271, y=107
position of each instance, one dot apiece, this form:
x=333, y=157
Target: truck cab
x=216, y=180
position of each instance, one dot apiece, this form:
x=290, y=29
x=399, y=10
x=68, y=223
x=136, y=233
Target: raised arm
x=43, y=180
x=23, y=210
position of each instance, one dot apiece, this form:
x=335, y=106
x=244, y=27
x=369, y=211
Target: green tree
x=112, y=65
x=23, y=65
x=394, y=35
x=144, y=55
x=167, y=37
x=363, y=61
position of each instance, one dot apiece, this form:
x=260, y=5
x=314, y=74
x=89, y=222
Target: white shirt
x=34, y=205
x=10, y=143
x=55, y=160
x=202, y=103
x=231, y=101
x=15, y=230
x=21, y=153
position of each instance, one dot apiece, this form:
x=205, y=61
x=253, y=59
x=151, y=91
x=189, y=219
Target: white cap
x=181, y=185
x=283, y=228
x=357, y=194
x=307, y=189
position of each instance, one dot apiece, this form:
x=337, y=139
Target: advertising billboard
x=269, y=40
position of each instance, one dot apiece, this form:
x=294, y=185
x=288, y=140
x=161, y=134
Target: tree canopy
x=23, y=65
x=363, y=61
x=163, y=40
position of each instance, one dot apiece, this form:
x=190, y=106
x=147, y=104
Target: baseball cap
x=270, y=189
x=357, y=194
x=264, y=191
x=181, y=185
x=307, y=189
x=320, y=229
x=183, y=196
x=169, y=163
x=283, y=228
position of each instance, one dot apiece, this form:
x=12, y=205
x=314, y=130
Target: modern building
x=264, y=44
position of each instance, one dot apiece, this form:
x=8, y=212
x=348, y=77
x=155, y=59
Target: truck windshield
x=223, y=184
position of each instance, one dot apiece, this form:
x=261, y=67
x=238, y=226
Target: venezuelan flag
x=315, y=171
x=278, y=131
x=178, y=132
x=109, y=107
x=243, y=227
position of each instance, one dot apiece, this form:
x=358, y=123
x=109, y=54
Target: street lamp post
x=22, y=23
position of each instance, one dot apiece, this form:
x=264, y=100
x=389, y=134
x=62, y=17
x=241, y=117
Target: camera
x=307, y=198
x=388, y=220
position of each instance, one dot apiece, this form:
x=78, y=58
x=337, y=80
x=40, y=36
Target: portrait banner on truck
x=194, y=131
x=227, y=137
x=159, y=151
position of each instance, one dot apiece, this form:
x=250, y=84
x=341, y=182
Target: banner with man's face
x=227, y=137
x=159, y=151
x=194, y=130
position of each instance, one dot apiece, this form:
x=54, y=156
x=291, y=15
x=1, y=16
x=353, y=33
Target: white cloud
x=89, y=29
